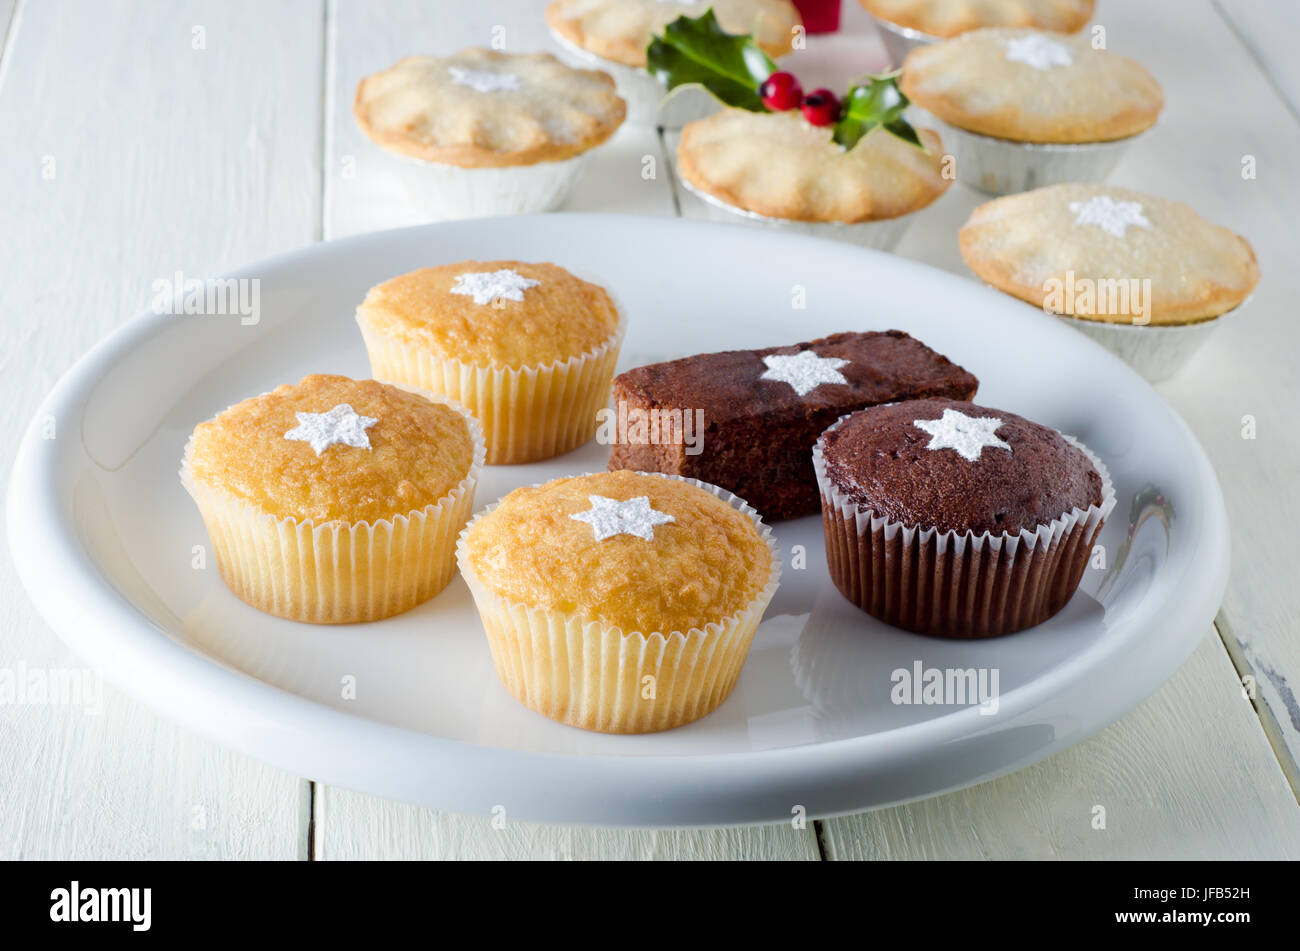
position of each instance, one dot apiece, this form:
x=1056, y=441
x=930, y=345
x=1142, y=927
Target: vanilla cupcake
x=334, y=500
x=777, y=170
x=1146, y=277
x=486, y=133
x=622, y=602
x=612, y=35
x=529, y=349
x=907, y=24
x=1024, y=108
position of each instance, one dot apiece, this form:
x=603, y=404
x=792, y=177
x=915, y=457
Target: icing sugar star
x=804, y=371
x=1037, y=51
x=968, y=435
x=482, y=81
x=610, y=517
x=1111, y=216
x=487, y=286
x=341, y=425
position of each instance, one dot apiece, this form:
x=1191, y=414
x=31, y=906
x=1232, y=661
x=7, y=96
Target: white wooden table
x=141, y=138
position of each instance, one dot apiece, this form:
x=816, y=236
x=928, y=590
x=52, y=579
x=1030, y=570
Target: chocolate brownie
x=746, y=420
x=937, y=464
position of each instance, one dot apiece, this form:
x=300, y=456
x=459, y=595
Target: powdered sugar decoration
x=482, y=81
x=1111, y=216
x=610, y=517
x=487, y=286
x=969, y=436
x=340, y=426
x=804, y=371
x=1037, y=51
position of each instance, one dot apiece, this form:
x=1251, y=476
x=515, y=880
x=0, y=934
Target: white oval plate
x=105, y=540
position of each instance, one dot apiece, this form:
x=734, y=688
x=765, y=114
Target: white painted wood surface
x=1253, y=374
x=1167, y=791
x=1270, y=29
x=129, y=154
x=167, y=156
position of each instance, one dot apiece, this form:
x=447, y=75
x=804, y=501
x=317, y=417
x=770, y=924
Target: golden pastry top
x=1064, y=240
x=483, y=108
x=950, y=17
x=1032, y=86
x=779, y=165
x=543, y=314
x=260, y=451
x=620, y=30
x=704, y=562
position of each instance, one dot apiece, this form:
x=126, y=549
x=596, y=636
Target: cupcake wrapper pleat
x=527, y=414
x=586, y=674
x=957, y=585
x=337, y=572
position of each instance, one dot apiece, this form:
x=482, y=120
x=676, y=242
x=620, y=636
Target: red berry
x=820, y=107
x=781, y=91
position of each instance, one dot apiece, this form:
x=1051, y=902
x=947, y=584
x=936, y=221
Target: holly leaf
x=696, y=51
x=876, y=102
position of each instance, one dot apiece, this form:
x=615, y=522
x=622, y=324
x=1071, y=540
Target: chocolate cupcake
x=957, y=520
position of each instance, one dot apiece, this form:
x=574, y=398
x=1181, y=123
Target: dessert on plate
x=1146, y=277
x=907, y=24
x=483, y=132
x=528, y=348
x=612, y=35
x=334, y=500
x=621, y=602
x=1022, y=108
x=746, y=420
x=957, y=520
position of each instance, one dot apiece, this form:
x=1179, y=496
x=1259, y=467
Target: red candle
x=819, y=16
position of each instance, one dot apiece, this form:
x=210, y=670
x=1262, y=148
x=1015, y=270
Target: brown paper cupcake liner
x=951, y=584
x=527, y=413
x=337, y=572
x=594, y=676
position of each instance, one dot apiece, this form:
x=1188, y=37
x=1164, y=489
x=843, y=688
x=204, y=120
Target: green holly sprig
x=696, y=51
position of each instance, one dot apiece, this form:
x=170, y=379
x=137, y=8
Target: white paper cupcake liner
x=527, y=413
x=951, y=584
x=901, y=40
x=591, y=675
x=1002, y=166
x=338, y=571
x=883, y=235
x=648, y=102
x=1157, y=351
x=440, y=192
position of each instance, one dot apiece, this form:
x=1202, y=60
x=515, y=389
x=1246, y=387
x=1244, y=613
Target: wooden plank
x=355, y=826
x=1269, y=29
x=370, y=37
x=1240, y=393
x=136, y=145
x=1187, y=775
